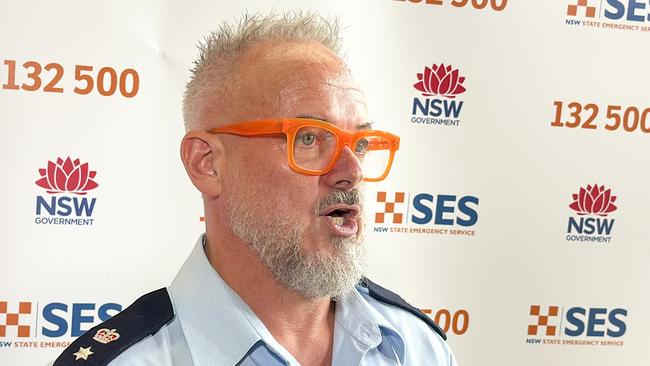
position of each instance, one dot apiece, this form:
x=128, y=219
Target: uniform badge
x=82, y=354
x=106, y=335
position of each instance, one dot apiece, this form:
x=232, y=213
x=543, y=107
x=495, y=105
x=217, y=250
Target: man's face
x=286, y=216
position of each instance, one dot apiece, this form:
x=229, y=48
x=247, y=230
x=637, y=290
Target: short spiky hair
x=220, y=49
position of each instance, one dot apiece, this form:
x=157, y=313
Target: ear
x=203, y=155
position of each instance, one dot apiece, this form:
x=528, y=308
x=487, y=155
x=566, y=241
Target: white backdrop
x=486, y=210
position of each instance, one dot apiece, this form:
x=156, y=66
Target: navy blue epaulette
x=101, y=344
x=386, y=296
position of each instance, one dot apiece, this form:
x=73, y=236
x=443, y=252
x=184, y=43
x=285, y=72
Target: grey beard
x=277, y=241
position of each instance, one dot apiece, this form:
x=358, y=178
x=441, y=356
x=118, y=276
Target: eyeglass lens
x=315, y=147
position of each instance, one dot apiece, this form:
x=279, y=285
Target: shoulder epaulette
x=103, y=343
x=386, y=296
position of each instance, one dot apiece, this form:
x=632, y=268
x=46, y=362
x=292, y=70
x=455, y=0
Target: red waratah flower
x=67, y=176
x=440, y=80
x=593, y=200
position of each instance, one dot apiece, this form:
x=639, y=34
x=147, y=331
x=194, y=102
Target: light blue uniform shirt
x=214, y=326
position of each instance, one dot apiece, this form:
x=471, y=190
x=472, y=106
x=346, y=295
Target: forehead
x=297, y=79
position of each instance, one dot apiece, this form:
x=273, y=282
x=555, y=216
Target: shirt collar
x=211, y=315
x=220, y=328
x=367, y=325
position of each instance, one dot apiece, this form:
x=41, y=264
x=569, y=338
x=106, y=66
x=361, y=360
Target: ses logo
x=23, y=325
x=439, y=85
x=424, y=213
x=66, y=182
x=633, y=15
x=591, y=205
x=576, y=326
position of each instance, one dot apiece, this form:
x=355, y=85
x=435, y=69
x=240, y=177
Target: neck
x=304, y=327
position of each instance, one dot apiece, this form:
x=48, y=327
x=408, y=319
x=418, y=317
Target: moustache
x=352, y=198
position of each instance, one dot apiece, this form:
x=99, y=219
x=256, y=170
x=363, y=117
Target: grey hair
x=220, y=49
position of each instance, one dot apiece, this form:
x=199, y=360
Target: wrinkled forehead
x=297, y=79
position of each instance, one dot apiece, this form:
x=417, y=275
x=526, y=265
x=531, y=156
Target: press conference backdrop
x=515, y=215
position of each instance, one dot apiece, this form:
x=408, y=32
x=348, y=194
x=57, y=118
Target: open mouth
x=339, y=213
x=342, y=219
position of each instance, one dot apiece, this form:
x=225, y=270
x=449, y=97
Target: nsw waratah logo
x=591, y=205
x=593, y=200
x=67, y=183
x=440, y=80
x=439, y=85
x=67, y=176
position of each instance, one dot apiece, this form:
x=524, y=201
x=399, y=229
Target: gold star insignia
x=83, y=353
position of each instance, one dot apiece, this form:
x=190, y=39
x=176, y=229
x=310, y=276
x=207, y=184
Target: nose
x=346, y=173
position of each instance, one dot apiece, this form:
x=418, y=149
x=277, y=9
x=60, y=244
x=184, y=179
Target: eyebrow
x=365, y=126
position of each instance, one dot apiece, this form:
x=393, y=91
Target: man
x=278, y=143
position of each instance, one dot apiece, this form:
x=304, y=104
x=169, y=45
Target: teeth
x=338, y=220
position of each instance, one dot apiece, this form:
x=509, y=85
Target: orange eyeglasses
x=313, y=146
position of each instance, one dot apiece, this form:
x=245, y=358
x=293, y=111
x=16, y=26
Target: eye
x=307, y=139
x=313, y=138
x=361, y=147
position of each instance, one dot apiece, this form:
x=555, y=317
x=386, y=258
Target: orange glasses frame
x=290, y=126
